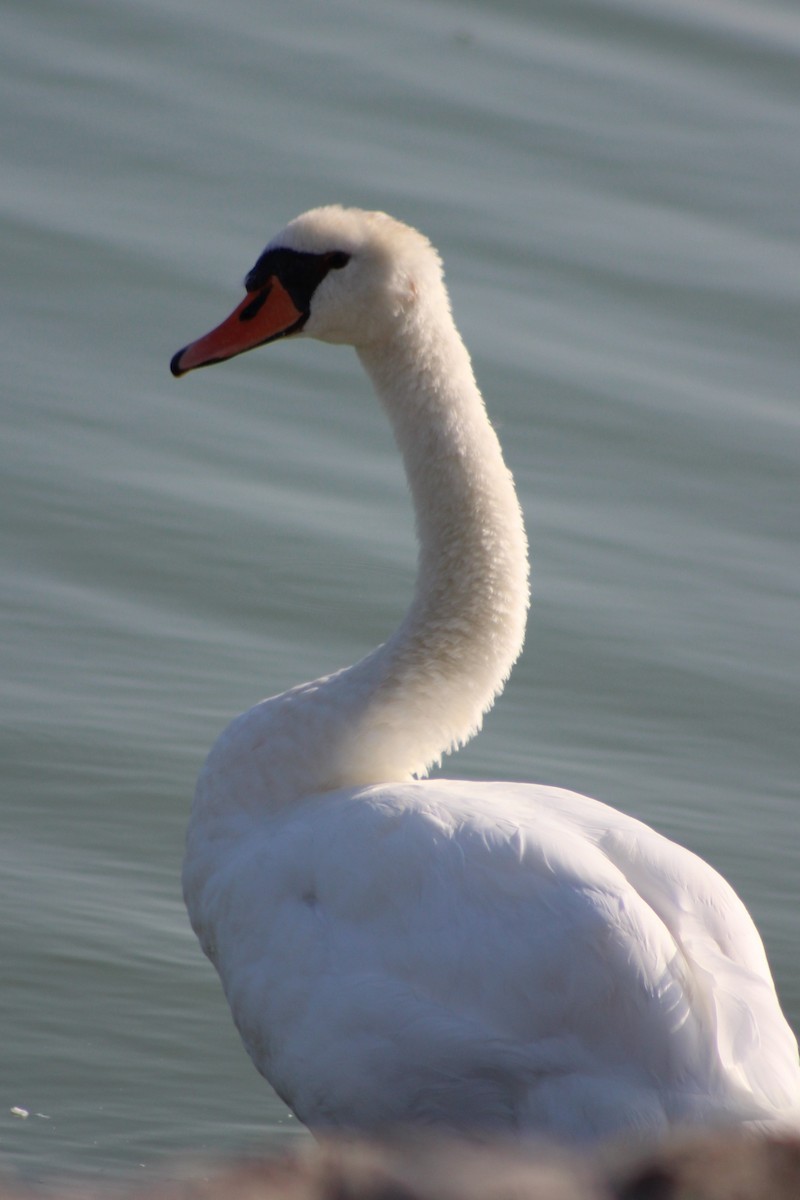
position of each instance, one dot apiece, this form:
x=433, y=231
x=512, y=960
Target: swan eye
x=337, y=259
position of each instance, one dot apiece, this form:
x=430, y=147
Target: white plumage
x=500, y=957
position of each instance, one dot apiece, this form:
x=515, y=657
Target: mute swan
x=502, y=957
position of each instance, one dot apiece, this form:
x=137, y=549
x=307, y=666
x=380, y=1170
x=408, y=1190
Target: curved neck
x=424, y=692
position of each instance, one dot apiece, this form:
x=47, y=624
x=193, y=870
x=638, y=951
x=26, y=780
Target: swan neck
x=425, y=691
x=448, y=660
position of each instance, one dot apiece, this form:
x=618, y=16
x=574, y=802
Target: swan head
x=337, y=274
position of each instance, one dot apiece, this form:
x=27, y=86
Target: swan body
x=485, y=957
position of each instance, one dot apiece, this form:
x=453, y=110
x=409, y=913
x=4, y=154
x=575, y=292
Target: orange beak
x=262, y=316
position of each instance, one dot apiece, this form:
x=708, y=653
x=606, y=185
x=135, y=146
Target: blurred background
x=614, y=187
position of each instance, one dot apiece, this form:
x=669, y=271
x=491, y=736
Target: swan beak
x=262, y=316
